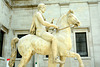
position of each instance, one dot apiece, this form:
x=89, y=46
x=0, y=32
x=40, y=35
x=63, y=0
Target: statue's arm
x=45, y=23
x=32, y=27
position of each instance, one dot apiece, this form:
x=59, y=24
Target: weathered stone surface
x=4, y=20
x=87, y=11
x=95, y=27
x=4, y=14
x=22, y=18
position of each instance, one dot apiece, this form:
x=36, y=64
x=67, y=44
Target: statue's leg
x=54, y=49
x=62, y=59
x=72, y=54
x=49, y=37
x=25, y=59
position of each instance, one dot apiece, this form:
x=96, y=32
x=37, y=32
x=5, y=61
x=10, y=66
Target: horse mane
x=60, y=19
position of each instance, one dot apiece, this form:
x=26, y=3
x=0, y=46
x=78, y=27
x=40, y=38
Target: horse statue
x=31, y=44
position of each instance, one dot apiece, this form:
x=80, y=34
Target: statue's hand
x=52, y=21
x=30, y=31
x=55, y=26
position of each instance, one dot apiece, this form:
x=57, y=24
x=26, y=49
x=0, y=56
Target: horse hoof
x=82, y=65
x=62, y=63
x=59, y=62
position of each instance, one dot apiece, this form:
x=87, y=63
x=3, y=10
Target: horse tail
x=13, y=51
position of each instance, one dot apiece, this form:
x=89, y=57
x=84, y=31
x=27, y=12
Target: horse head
x=72, y=19
x=68, y=19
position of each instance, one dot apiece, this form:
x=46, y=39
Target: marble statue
x=41, y=42
x=40, y=23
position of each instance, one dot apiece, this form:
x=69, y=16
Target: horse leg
x=72, y=54
x=51, y=62
x=30, y=56
x=25, y=59
x=21, y=64
x=62, y=59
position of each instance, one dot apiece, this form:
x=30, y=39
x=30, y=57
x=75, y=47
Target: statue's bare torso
x=39, y=27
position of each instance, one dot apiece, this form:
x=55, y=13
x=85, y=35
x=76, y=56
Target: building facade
x=16, y=19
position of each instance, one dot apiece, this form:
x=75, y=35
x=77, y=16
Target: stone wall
x=95, y=27
x=18, y=20
x=55, y=10
x=4, y=13
x=5, y=20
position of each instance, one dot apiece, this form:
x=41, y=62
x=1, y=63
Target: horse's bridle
x=73, y=25
x=66, y=27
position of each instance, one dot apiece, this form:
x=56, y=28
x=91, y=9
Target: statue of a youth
x=39, y=23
